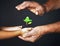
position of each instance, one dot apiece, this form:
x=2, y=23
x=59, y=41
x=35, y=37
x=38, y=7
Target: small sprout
x=27, y=20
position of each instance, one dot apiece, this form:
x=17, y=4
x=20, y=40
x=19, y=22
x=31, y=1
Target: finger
x=40, y=10
x=25, y=39
x=33, y=10
x=30, y=39
x=23, y=5
x=28, y=28
x=37, y=10
x=20, y=26
x=15, y=28
x=21, y=37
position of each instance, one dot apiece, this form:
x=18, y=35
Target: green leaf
x=28, y=20
x=30, y=23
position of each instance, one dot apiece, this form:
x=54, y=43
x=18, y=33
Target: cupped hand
x=34, y=34
x=34, y=7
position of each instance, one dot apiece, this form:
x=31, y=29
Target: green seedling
x=27, y=20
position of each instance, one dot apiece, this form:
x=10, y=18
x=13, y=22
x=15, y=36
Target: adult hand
x=34, y=7
x=34, y=34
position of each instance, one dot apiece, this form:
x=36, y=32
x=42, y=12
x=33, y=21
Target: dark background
x=9, y=16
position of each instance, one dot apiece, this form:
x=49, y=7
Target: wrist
x=50, y=5
x=55, y=27
x=18, y=33
x=50, y=28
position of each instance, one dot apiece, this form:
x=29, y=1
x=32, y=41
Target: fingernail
x=36, y=13
x=17, y=8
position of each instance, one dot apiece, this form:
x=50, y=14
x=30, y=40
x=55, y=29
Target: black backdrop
x=9, y=16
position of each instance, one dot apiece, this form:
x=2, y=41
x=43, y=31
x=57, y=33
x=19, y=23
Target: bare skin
x=9, y=32
x=38, y=9
x=5, y=34
x=38, y=31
